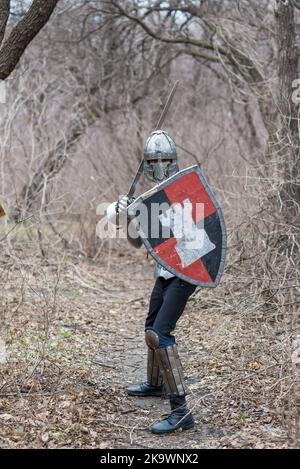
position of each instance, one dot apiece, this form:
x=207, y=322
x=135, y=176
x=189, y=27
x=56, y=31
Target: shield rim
x=159, y=187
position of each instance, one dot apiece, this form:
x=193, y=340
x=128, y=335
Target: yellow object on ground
x=2, y=211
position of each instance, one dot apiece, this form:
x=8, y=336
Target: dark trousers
x=167, y=303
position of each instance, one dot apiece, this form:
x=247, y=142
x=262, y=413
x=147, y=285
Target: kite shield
x=182, y=227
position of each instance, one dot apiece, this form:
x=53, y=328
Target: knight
x=167, y=302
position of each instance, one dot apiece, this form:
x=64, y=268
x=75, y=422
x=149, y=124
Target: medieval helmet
x=160, y=157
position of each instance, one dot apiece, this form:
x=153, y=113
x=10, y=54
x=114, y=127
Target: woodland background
x=85, y=82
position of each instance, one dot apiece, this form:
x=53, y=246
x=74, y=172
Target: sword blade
x=158, y=125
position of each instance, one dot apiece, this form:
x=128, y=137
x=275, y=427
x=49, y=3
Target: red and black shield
x=181, y=225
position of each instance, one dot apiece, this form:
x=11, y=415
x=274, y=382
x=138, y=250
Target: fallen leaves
x=70, y=362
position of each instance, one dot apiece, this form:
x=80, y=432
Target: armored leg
x=169, y=363
x=171, y=369
x=154, y=384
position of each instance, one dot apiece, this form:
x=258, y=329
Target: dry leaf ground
x=73, y=339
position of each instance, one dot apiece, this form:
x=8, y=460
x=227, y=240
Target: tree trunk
x=23, y=33
x=289, y=113
x=4, y=15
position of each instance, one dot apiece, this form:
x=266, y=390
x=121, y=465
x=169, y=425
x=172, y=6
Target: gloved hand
x=118, y=206
x=122, y=204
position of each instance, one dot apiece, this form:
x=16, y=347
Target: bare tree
x=228, y=34
x=102, y=60
x=241, y=43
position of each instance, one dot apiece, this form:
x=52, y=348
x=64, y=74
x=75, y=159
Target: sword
x=158, y=126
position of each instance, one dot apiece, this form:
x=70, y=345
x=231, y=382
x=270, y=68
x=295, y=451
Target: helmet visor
x=160, y=169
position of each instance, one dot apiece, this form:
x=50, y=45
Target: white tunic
x=160, y=271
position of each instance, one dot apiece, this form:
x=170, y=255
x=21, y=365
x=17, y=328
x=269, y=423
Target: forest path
x=123, y=359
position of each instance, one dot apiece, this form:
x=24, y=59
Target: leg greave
x=169, y=364
x=154, y=377
x=171, y=368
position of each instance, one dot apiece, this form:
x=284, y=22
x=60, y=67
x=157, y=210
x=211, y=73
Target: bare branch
x=183, y=40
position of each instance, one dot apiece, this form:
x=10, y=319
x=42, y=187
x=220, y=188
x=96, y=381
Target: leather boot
x=154, y=385
x=179, y=418
x=144, y=390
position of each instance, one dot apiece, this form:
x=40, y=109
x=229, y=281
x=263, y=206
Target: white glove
x=123, y=204
x=111, y=211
